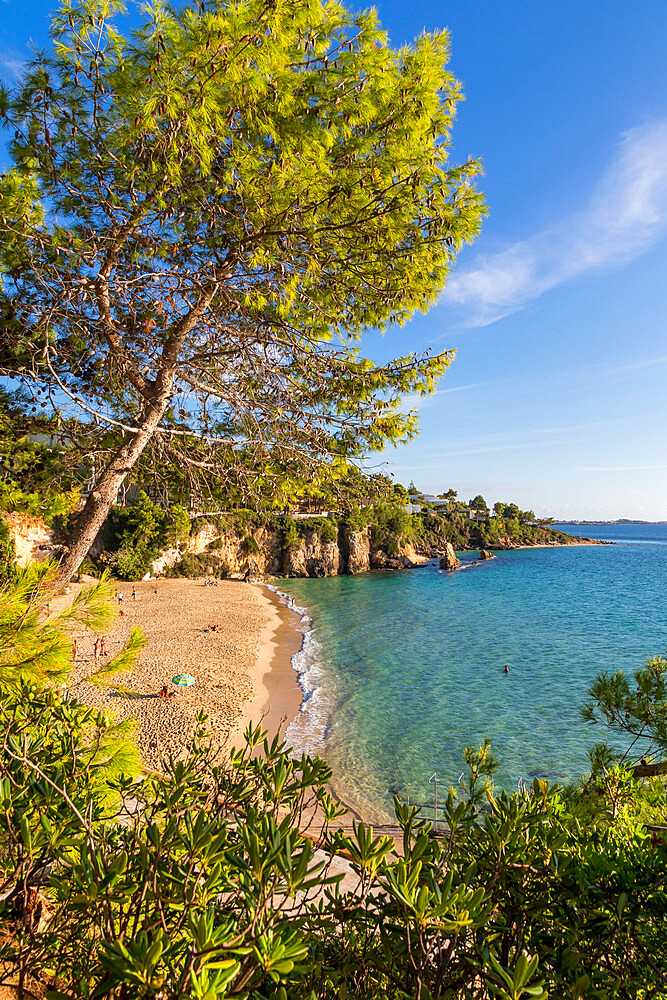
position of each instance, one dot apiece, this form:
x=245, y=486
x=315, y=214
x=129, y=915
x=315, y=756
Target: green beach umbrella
x=184, y=680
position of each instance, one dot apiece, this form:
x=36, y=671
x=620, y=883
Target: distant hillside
x=620, y=520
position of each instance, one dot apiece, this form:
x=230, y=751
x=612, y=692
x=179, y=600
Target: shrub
x=323, y=527
x=8, y=567
x=250, y=545
x=391, y=525
x=53, y=508
x=193, y=566
x=135, y=535
x=358, y=518
x=196, y=881
x=290, y=533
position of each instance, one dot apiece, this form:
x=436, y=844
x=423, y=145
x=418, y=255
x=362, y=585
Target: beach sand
x=243, y=672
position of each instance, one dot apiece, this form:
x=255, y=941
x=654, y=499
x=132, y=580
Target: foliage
x=390, y=526
x=200, y=884
x=53, y=508
x=290, y=534
x=324, y=527
x=250, y=545
x=36, y=641
x=358, y=518
x=479, y=503
x=193, y=565
x=637, y=714
x=136, y=535
x=196, y=880
x=231, y=194
x=8, y=567
x=41, y=466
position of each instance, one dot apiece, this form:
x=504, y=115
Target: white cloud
x=634, y=366
x=625, y=215
x=621, y=468
x=12, y=63
x=414, y=401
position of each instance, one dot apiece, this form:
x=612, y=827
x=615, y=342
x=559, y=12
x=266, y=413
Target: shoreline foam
x=277, y=696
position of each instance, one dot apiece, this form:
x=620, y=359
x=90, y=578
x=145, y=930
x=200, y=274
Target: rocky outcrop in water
x=449, y=561
x=485, y=554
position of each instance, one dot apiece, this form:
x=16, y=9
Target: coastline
x=277, y=697
x=559, y=545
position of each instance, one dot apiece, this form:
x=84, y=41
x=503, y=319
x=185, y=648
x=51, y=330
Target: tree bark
x=156, y=395
x=649, y=770
x=103, y=495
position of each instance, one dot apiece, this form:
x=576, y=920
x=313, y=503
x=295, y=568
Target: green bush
x=290, y=533
x=53, y=508
x=194, y=566
x=8, y=567
x=391, y=526
x=358, y=518
x=250, y=545
x=323, y=527
x=195, y=880
x=135, y=535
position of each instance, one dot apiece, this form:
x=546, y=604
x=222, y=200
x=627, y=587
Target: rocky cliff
x=229, y=553
x=33, y=540
x=303, y=550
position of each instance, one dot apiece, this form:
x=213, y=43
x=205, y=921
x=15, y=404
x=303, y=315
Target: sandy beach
x=243, y=670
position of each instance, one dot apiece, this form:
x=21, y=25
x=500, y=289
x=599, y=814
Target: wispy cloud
x=621, y=468
x=635, y=366
x=413, y=401
x=530, y=438
x=625, y=215
x=12, y=63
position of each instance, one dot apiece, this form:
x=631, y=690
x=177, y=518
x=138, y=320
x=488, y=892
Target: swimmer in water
x=506, y=669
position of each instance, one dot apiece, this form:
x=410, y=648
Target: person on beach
x=134, y=593
x=103, y=651
x=75, y=647
x=98, y=649
x=120, y=598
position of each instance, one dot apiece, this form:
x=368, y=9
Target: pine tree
x=204, y=216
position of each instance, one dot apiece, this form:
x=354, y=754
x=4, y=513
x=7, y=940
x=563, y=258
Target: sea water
x=401, y=670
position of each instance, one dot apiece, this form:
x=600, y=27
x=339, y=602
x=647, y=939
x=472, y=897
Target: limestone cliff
x=356, y=550
x=230, y=553
x=313, y=557
x=33, y=540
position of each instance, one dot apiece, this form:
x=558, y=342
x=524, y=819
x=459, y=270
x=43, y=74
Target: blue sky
x=556, y=399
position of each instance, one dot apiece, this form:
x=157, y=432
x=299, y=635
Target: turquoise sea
x=401, y=670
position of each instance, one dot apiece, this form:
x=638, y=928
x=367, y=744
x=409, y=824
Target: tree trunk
x=649, y=770
x=156, y=396
x=104, y=493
